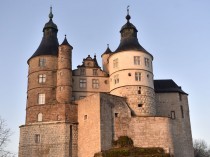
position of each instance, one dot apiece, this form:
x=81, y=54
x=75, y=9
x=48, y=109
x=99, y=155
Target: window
x=116, y=79
x=42, y=62
x=180, y=97
x=116, y=115
x=173, y=116
x=95, y=73
x=42, y=78
x=139, y=91
x=136, y=60
x=81, y=97
x=37, y=138
x=85, y=117
x=146, y=61
x=182, y=111
x=82, y=83
x=73, y=98
x=95, y=83
x=82, y=71
x=39, y=117
x=41, y=99
x=140, y=105
x=137, y=76
x=115, y=63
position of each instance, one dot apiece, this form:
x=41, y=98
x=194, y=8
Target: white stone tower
x=131, y=73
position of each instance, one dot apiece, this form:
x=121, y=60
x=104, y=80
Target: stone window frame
x=116, y=79
x=173, y=115
x=146, y=62
x=42, y=62
x=95, y=72
x=136, y=60
x=40, y=117
x=37, y=138
x=115, y=63
x=82, y=71
x=82, y=83
x=42, y=78
x=182, y=111
x=41, y=98
x=95, y=83
x=137, y=76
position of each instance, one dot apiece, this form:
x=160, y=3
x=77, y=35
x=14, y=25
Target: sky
x=176, y=33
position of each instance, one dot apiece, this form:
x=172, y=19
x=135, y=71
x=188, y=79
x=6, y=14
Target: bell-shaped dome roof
x=49, y=44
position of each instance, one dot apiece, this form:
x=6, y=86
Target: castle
x=77, y=113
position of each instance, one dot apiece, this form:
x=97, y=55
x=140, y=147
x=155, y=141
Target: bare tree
x=5, y=133
x=201, y=148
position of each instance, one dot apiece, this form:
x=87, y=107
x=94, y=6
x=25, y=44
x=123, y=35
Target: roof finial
x=128, y=17
x=107, y=45
x=51, y=14
x=128, y=10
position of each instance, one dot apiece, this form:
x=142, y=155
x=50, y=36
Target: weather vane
x=128, y=9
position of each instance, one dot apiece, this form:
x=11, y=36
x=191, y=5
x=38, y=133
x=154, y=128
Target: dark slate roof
x=167, y=86
x=108, y=51
x=130, y=43
x=65, y=42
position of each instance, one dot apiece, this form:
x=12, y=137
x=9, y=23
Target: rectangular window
x=82, y=83
x=137, y=76
x=81, y=97
x=42, y=62
x=41, y=99
x=82, y=71
x=95, y=73
x=136, y=60
x=180, y=97
x=146, y=61
x=115, y=63
x=182, y=111
x=116, y=79
x=95, y=83
x=173, y=116
x=37, y=138
x=42, y=78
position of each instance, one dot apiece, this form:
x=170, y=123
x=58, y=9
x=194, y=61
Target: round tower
x=64, y=73
x=41, y=75
x=105, y=61
x=131, y=73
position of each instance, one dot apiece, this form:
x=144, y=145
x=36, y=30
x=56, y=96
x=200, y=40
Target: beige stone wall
x=105, y=62
x=146, y=98
x=54, y=140
x=111, y=107
x=89, y=90
x=181, y=128
x=89, y=140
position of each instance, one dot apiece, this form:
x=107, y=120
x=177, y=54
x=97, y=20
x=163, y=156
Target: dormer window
x=82, y=71
x=95, y=73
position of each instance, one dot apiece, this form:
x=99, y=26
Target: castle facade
x=77, y=113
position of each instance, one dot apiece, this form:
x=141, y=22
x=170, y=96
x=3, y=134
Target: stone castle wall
x=181, y=129
x=141, y=99
x=48, y=140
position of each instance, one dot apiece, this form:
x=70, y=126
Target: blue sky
x=177, y=33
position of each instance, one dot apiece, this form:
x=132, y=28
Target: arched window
x=39, y=117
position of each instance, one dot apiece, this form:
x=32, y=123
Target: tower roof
x=108, y=51
x=65, y=42
x=49, y=44
x=129, y=40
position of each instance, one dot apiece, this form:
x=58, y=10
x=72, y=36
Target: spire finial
x=51, y=14
x=128, y=10
x=128, y=17
x=107, y=45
